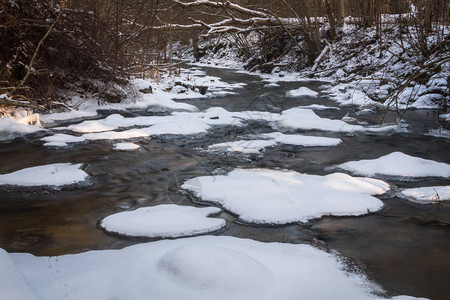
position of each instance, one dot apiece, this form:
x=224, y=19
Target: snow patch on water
x=165, y=221
x=397, y=164
x=266, y=196
x=209, y=267
x=427, y=195
x=58, y=174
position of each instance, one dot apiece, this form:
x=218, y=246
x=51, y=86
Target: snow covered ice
x=397, y=164
x=427, y=195
x=209, y=267
x=302, y=92
x=272, y=140
x=58, y=174
x=243, y=146
x=306, y=119
x=264, y=196
x=167, y=220
x=126, y=146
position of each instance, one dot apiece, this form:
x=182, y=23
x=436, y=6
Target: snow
x=126, y=146
x=428, y=101
x=69, y=115
x=207, y=267
x=11, y=128
x=426, y=195
x=319, y=107
x=306, y=119
x=12, y=283
x=272, y=140
x=165, y=221
x=445, y=117
x=177, y=123
x=440, y=133
x=269, y=85
x=243, y=146
x=302, y=140
x=302, y=92
x=264, y=196
x=58, y=174
x=397, y=164
x=163, y=101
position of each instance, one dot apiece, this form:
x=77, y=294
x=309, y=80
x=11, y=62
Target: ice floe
x=397, y=164
x=271, y=140
x=302, y=140
x=126, y=146
x=209, y=267
x=166, y=221
x=306, y=119
x=58, y=174
x=429, y=194
x=266, y=196
x=302, y=92
x=243, y=146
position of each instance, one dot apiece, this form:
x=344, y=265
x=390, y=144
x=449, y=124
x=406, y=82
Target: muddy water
x=404, y=248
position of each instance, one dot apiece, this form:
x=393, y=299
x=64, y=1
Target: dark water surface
x=405, y=247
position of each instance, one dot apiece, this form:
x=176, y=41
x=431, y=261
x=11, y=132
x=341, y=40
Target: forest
x=224, y=149
x=98, y=44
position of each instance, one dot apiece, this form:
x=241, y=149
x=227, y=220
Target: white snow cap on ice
x=167, y=220
x=301, y=92
x=243, y=146
x=264, y=196
x=208, y=267
x=273, y=139
x=397, y=164
x=126, y=146
x=300, y=118
x=429, y=194
x=58, y=174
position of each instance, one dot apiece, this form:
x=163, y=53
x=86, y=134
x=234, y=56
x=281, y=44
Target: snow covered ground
x=265, y=196
x=166, y=221
x=210, y=267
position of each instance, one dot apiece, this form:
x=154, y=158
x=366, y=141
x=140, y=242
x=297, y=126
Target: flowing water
x=404, y=247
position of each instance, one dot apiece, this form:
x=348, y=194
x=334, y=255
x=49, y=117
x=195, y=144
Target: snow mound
x=58, y=174
x=306, y=119
x=208, y=267
x=426, y=195
x=302, y=92
x=397, y=164
x=186, y=265
x=165, y=221
x=264, y=196
x=126, y=146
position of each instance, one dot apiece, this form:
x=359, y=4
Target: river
x=404, y=247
